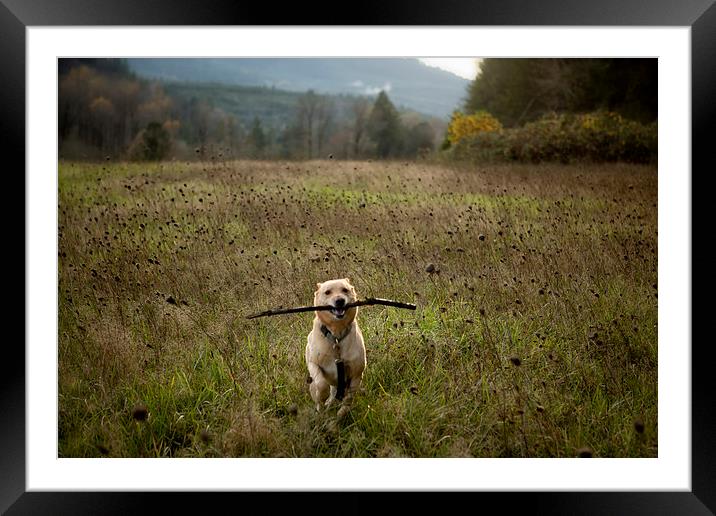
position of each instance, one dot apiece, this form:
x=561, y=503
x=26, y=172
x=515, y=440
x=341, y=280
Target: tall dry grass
x=535, y=333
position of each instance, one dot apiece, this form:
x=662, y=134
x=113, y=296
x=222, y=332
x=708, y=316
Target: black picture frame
x=699, y=15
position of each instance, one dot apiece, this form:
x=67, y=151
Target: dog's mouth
x=338, y=313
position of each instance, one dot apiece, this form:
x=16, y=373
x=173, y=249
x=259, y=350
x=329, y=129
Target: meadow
x=535, y=333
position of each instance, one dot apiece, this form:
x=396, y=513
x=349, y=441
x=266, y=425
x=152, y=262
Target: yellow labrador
x=335, y=346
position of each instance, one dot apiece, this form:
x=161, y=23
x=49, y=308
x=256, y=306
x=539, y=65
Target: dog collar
x=336, y=340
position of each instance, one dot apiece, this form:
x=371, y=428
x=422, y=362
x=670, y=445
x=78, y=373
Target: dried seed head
x=639, y=426
x=584, y=452
x=140, y=412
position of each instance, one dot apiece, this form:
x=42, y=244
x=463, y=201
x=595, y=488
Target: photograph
x=357, y=260
x=357, y=257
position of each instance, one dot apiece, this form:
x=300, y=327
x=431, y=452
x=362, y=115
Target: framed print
x=667, y=464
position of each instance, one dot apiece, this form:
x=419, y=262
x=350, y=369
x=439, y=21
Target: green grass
x=549, y=267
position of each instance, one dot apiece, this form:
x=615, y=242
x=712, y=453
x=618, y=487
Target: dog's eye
x=345, y=290
x=328, y=292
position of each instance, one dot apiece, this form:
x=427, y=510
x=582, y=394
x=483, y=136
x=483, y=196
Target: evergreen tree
x=257, y=136
x=384, y=127
x=156, y=140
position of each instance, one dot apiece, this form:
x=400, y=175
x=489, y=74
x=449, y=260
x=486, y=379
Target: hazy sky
x=463, y=66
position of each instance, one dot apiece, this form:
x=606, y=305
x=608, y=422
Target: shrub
x=594, y=137
x=152, y=143
x=462, y=126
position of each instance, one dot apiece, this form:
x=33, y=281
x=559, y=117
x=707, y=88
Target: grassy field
x=535, y=333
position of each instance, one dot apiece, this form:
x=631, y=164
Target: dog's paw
x=343, y=411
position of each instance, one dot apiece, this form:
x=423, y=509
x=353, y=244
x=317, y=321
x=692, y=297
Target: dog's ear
x=350, y=285
x=316, y=293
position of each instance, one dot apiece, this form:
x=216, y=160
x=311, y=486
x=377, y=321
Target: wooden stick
x=364, y=302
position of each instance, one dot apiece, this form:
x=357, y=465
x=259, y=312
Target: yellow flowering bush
x=462, y=126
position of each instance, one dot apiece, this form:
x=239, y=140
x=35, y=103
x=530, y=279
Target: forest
x=105, y=111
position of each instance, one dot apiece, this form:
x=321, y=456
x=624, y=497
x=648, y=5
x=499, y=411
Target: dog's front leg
x=352, y=388
x=319, y=387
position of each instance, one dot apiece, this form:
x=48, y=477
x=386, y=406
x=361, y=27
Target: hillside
x=410, y=83
x=276, y=108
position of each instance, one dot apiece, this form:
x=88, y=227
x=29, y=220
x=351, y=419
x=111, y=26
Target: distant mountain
x=408, y=82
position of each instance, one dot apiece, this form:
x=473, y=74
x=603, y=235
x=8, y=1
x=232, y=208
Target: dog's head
x=336, y=293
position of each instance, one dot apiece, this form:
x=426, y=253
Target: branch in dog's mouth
x=333, y=309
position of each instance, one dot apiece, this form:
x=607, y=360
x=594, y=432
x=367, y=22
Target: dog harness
x=340, y=366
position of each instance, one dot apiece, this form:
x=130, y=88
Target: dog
x=335, y=352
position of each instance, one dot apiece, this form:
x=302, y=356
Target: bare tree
x=103, y=113
x=361, y=112
x=199, y=120
x=126, y=102
x=325, y=115
x=234, y=134
x=307, y=107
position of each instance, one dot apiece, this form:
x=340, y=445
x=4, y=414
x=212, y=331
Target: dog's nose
x=340, y=302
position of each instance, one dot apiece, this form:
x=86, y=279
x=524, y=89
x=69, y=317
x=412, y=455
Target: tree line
x=106, y=111
x=517, y=91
